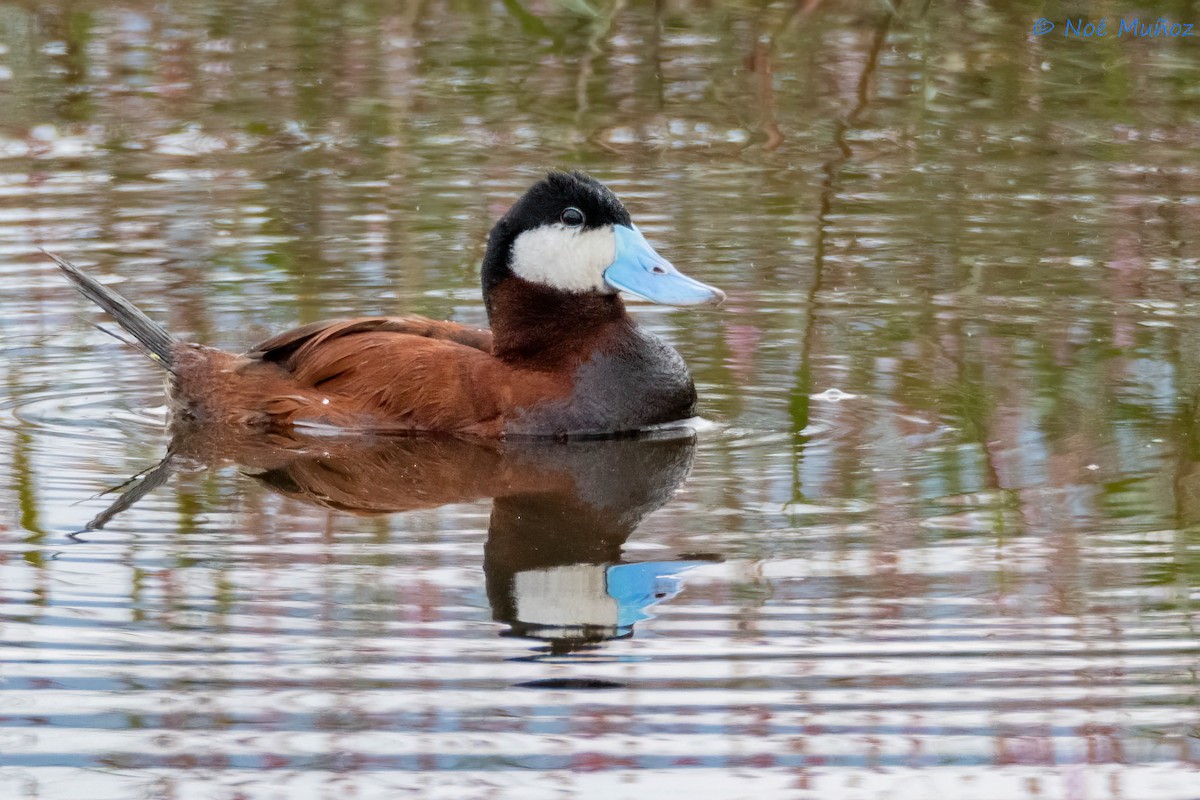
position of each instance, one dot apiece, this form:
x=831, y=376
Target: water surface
x=941, y=537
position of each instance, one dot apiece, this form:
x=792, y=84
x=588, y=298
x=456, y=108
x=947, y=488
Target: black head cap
x=545, y=201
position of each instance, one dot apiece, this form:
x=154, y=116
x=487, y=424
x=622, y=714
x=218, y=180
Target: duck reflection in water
x=561, y=511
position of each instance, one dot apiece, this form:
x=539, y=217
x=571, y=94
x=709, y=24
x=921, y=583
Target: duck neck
x=546, y=327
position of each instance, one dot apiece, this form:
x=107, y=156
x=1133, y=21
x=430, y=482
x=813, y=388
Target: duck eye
x=571, y=217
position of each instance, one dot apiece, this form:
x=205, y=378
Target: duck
x=562, y=356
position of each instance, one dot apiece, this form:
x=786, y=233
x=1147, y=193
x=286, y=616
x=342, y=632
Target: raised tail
x=153, y=338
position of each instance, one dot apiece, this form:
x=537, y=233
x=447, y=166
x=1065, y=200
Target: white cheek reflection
x=565, y=258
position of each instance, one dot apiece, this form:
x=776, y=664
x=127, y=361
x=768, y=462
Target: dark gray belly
x=641, y=381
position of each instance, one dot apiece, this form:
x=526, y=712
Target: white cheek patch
x=565, y=258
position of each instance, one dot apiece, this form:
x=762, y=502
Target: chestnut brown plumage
x=562, y=357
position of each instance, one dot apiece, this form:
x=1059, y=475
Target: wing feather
x=283, y=347
x=378, y=378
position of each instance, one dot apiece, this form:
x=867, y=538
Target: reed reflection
x=561, y=513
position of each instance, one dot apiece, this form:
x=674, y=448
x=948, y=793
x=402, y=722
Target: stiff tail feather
x=155, y=340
